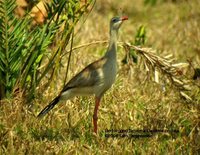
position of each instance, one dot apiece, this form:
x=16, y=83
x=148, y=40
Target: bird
x=96, y=78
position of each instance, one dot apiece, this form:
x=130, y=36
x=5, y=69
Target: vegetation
x=24, y=48
x=153, y=107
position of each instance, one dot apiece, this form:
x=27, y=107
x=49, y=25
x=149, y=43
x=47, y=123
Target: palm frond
x=165, y=66
x=10, y=45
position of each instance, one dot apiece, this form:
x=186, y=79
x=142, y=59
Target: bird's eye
x=114, y=20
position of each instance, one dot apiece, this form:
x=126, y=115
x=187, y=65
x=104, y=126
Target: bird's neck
x=112, y=47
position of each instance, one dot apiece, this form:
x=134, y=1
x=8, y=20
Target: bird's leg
x=95, y=118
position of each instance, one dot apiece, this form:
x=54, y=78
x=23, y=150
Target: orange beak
x=124, y=18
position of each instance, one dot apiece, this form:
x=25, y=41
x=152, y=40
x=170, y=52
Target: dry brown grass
x=134, y=102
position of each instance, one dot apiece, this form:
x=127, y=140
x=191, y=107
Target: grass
x=132, y=103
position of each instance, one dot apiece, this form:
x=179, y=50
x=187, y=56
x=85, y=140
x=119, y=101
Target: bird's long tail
x=49, y=107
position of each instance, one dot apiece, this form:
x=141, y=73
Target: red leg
x=95, y=118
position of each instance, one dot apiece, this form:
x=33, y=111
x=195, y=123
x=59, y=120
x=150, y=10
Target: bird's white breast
x=107, y=76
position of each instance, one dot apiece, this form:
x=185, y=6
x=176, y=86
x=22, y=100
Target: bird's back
x=96, y=78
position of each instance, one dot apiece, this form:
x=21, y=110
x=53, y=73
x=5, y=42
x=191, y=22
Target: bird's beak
x=124, y=18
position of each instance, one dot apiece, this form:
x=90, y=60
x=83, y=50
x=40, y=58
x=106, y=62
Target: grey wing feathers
x=87, y=77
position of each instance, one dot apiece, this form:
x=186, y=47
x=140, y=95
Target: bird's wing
x=89, y=76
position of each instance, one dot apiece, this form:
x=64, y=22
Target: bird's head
x=116, y=22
